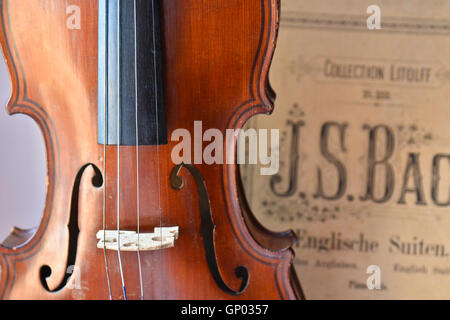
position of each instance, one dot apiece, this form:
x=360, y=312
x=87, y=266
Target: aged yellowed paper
x=364, y=119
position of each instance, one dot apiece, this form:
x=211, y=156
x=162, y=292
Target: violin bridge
x=161, y=238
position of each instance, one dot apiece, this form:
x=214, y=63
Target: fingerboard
x=130, y=73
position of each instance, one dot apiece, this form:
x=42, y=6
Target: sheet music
x=364, y=174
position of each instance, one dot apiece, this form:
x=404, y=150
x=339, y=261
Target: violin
x=109, y=82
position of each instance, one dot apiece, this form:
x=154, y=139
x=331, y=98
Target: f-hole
x=46, y=271
x=207, y=230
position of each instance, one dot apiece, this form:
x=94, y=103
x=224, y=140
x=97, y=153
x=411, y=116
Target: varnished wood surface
x=217, y=57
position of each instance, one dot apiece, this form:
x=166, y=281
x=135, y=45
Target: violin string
x=137, y=152
x=157, y=125
x=105, y=124
x=118, y=152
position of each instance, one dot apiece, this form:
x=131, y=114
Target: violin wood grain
x=217, y=58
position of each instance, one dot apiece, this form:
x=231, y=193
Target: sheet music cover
x=364, y=175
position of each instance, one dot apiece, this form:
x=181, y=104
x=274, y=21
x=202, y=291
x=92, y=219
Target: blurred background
x=23, y=169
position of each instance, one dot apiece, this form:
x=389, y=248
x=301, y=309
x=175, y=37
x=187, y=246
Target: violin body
x=217, y=55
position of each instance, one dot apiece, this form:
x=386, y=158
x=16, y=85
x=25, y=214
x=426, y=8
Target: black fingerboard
x=130, y=58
